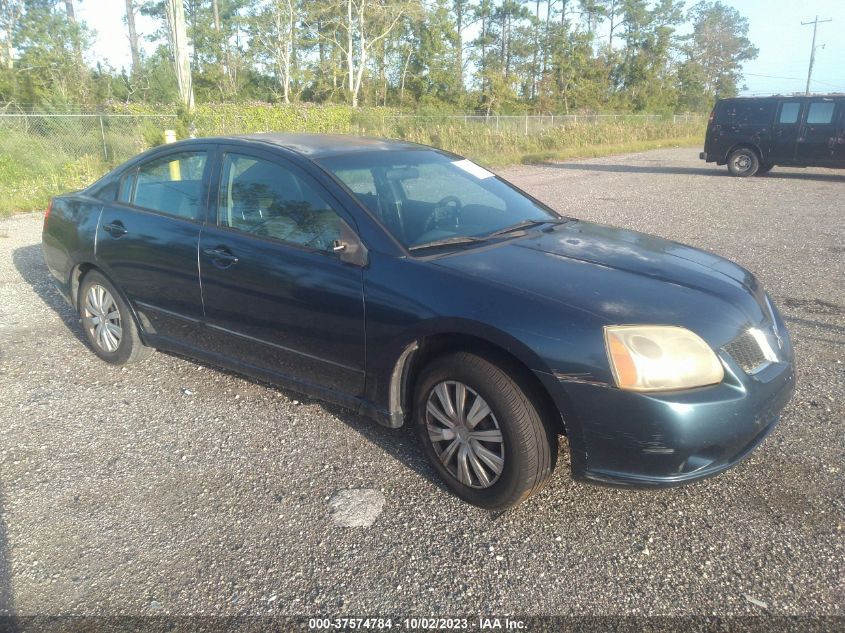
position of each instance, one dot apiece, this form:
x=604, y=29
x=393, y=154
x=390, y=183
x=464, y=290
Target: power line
x=815, y=24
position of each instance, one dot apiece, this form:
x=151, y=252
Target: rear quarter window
x=746, y=113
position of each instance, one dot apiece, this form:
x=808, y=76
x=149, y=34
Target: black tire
x=128, y=347
x=764, y=169
x=530, y=445
x=743, y=162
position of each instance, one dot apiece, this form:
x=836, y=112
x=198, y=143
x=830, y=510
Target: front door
x=277, y=295
x=785, y=133
x=817, y=143
x=147, y=242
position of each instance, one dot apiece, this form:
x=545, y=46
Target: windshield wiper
x=455, y=239
x=527, y=224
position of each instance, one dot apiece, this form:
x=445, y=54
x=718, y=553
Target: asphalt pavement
x=173, y=488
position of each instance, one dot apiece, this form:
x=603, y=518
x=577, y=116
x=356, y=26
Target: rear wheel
x=764, y=169
x=743, y=162
x=482, y=432
x=107, y=322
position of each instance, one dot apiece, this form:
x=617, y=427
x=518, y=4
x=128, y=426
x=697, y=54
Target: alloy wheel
x=465, y=434
x=102, y=317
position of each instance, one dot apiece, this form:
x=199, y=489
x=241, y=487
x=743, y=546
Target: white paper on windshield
x=474, y=170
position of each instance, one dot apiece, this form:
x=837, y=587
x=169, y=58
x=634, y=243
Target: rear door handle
x=115, y=229
x=221, y=254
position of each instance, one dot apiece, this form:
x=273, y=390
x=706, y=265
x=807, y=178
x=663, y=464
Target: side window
x=265, y=198
x=171, y=184
x=751, y=112
x=820, y=113
x=789, y=112
x=124, y=193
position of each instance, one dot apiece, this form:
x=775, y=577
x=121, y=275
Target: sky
x=780, y=68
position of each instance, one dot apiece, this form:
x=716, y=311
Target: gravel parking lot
x=174, y=488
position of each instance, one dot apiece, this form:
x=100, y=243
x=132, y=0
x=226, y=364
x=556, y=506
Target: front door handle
x=115, y=229
x=222, y=255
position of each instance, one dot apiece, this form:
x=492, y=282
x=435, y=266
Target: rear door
x=839, y=151
x=818, y=137
x=786, y=132
x=147, y=240
x=278, y=295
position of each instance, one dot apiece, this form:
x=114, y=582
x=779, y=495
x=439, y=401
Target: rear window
x=171, y=184
x=746, y=113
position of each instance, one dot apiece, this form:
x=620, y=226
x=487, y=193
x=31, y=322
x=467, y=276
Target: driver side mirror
x=349, y=248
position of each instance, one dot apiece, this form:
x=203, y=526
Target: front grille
x=745, y=350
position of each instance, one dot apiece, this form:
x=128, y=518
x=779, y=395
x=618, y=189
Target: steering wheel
x=447, y=209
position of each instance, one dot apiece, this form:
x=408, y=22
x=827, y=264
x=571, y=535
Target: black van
x=752, y=135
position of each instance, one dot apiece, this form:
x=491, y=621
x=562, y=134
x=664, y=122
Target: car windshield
x=429, y=199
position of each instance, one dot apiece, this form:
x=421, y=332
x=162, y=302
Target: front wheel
x=108, y=324
x=743, y=162
x=481, y=431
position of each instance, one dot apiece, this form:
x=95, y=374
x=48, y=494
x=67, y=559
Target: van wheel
x=482, y=432
x=743, y=162
x=764, y=169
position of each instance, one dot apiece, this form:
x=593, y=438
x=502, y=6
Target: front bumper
x=667, y=439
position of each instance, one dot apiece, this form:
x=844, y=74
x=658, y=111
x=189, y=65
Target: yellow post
x=175, y=171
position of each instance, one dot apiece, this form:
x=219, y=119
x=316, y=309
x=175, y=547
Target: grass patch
x=595, y=151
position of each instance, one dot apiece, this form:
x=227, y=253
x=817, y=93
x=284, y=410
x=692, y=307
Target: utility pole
x=815, y=24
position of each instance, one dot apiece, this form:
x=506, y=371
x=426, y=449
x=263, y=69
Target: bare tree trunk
x=459, y=52
x=133, y=37
x=404, y=74
x=534, y=65
x=179, y=42
x=350, y=52
x=71, y=14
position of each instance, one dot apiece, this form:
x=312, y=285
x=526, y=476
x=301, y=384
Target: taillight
x=47, y=212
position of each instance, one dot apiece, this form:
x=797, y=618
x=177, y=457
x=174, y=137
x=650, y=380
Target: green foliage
x=715, y=52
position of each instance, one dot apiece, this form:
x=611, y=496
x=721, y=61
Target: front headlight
x=660, y=358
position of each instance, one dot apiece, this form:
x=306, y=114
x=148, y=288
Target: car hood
x=620, y=275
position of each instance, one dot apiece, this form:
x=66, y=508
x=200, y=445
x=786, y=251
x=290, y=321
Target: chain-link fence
x=529, y=123
x=45, y=154
x=111, y=138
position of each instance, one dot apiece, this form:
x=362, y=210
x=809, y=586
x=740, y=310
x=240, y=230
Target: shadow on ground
x=400, y=443
x=690, y=171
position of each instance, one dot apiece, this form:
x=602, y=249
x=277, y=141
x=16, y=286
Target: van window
x=820, y=112
x=789, y=112
x=746, y=113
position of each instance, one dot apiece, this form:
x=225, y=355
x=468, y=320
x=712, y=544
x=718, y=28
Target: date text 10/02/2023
x=482, y=623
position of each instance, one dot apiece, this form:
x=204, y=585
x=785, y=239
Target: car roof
x=324, y=145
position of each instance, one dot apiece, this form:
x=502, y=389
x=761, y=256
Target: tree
x=273, y=29
x=10, y=15
x=357, y=29
x=134, y=47
x=179, y=45
x=715, y=52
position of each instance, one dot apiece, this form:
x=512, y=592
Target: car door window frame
x=210, y=159
x=348, y=226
